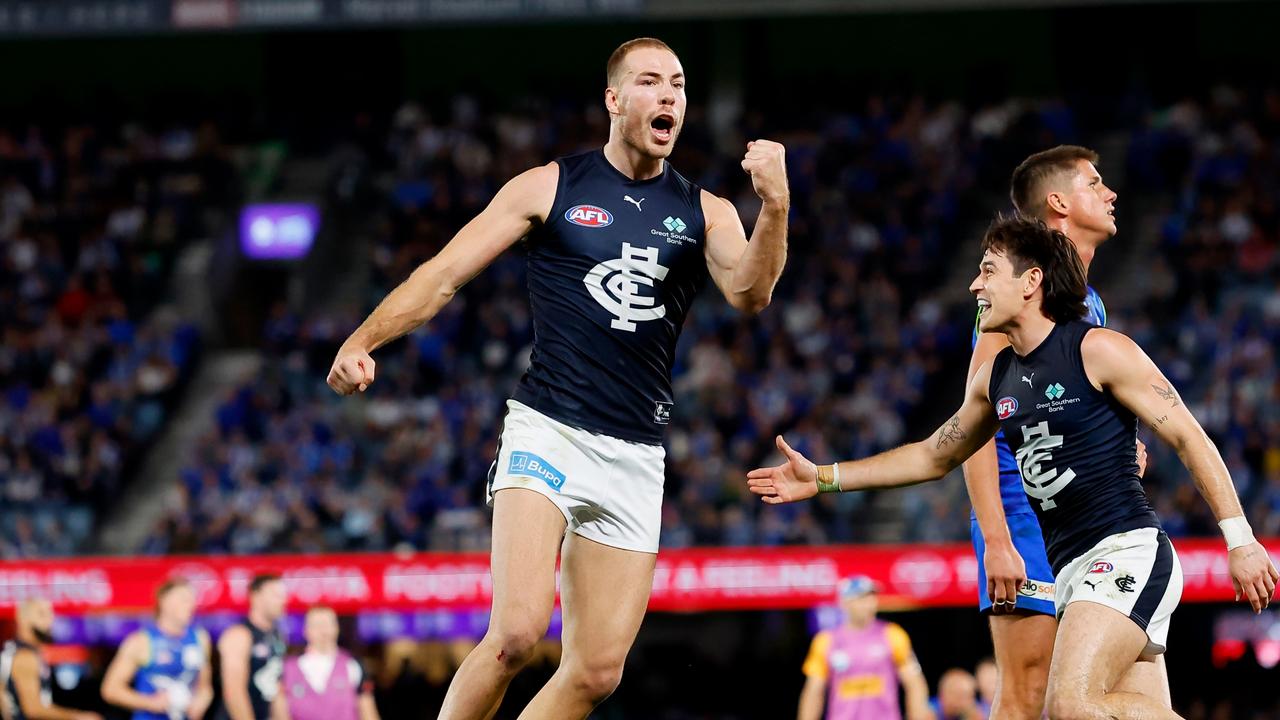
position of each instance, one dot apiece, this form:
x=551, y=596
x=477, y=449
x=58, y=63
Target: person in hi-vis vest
x=325, y=682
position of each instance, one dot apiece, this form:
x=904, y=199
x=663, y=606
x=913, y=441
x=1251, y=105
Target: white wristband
x=1237, y=532
x=835, y=473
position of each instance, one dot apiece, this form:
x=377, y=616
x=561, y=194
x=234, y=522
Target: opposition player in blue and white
x=618, y=244
x=1062, y=187
x=162, y=671
x=1074, y=432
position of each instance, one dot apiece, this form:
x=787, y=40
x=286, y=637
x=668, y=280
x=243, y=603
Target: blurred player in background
x=985, y=674
x=28, y=681
x=325, y=682
x=957, y=697
x=854, y=670
x=1073, y=430
x=162, y=671
x=1062, y=187
x=618, y=246
x=252, y=655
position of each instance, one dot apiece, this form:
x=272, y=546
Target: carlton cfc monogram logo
x=1041, y=483
x=615, y=284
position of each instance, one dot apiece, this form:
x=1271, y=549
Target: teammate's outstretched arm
x=746, y=272
x=116, y=684
x=523, y=202
x=969, y=429
x=1116, y=364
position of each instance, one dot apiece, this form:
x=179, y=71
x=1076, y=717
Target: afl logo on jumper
x=1006, y=407
x=588, y=216
x=615, y=284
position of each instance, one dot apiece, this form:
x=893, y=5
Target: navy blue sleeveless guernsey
x=11, y=650
x=266, y=665
x=1075, y=445
x=612, y=274
x=1011, y=494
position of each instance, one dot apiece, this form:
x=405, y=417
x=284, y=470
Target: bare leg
x=604, y=592
x=527, y=532
x=1097, y=646
x=1023, y=649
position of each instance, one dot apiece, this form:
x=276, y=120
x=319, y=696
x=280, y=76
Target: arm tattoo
x=1166, y=393
x=1160, y=420
x=950, y=432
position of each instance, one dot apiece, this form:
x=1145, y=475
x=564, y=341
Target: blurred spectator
x=957, y=697
x=986, y=677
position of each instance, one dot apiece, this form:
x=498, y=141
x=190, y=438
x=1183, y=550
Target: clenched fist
x=766, y=163
x=352, y=370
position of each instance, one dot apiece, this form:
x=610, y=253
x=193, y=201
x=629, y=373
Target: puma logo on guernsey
x=633, y=201
x=1028, y=380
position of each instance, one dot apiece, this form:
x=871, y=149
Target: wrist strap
x=829, y=478
x=1237, y=532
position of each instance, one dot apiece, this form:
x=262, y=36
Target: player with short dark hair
x=252, y=654
x=1073, y=430
x=1062, y=187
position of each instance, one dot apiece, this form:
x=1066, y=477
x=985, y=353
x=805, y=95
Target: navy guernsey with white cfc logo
x=612, y=274
x=1075, y=445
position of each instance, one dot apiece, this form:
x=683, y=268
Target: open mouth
x=662, y=127
x=983, y=306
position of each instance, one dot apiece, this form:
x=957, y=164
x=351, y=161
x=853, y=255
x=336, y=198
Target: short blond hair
x=613, y=70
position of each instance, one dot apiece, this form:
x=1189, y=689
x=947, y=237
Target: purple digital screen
x=278, y=231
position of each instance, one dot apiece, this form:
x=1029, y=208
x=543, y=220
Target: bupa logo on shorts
x=1101, y=567
x=588, y=216
x=523, y=463
x=1006, y=407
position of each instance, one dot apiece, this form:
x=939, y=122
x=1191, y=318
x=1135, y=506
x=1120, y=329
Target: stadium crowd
x=862, y=330
x=855, y=331
x=91, y=219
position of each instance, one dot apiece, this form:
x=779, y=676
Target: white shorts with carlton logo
x=1136, y=573
x=610, y=490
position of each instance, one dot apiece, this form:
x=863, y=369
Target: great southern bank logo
x=526, y=463
x=674, y=224
x=588, y=216
x=1054, y=391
